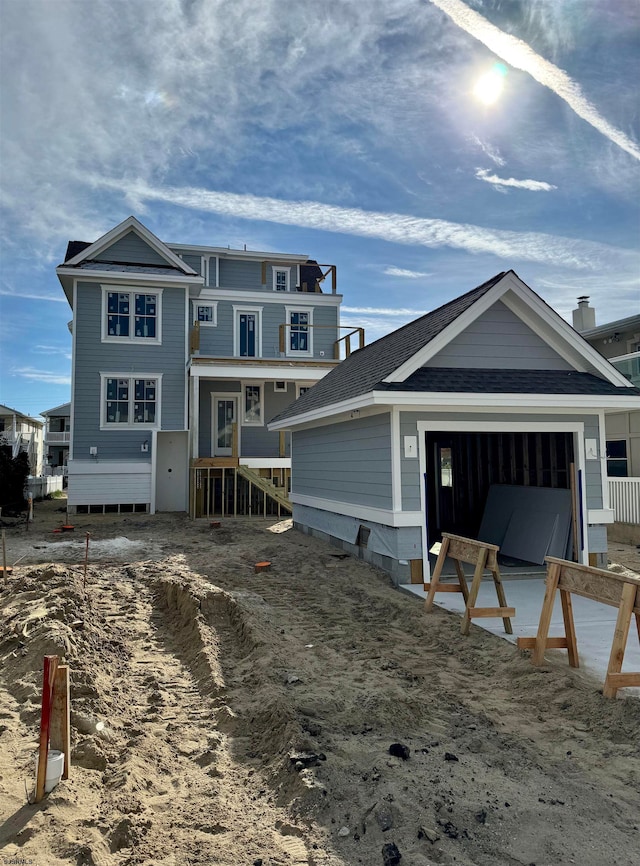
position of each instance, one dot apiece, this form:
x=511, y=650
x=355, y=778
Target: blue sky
x=350, y=131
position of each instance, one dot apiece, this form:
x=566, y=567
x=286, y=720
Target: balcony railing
x=341, y=344
x=325, y=271
x=629, y=366
x=57, y=438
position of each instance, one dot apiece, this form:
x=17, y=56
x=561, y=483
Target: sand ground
x=225, y=717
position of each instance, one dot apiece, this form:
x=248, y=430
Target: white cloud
x=521, y=56
x=45, y=377
x=32, y=296
x=533, y=185
x=392, y=271
x=391, y=227
x=53, y=350
x=383, y=311
x=491, y=152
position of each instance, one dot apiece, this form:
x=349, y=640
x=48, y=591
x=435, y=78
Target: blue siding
x=499, y=339
x=240, y=275
x=218, y=341
x=131, y=249
x=94, y=357
x=349, y=462
x=193, y=261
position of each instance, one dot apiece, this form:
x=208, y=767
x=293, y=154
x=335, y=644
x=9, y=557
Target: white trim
x=128, y=276
x=238, y=310
x=305, y=385
x=268, y=297
x=598, y=516
x=243, y=392
x=396, y=463
x=206, y=302
x=115, y=426
x=291, y=373
x=236, y=396
x=286, y=270
x=266, y=462
x=435, y=401
x=384, y=516
x=154, y=470
x=603, y=461
x=276, y=389
x=131, y=339
x=505, y=426
x=118, y=232
x=108, y=467
x=73, y=368
x=194, y=420
x=289, y=311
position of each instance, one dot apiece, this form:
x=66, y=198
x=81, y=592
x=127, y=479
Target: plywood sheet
x=529, y=535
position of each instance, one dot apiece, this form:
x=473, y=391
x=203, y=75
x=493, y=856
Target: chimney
x=584, y=318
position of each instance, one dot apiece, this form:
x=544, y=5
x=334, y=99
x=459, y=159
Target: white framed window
x=247, y=332
x=131, y=315
x=281, y=279
x=302, y=389
x=299, y=331
x=205, y=313
x=617, y=461
x=129, y=401
x=280, y=386
x=252, y=405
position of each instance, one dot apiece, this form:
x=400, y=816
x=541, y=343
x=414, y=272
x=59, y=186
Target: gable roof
x=7, y=410
x=390, y=362
x=63, y=409
x=84, y=253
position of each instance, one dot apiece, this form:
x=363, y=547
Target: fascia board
x=128, y=277
x=432, y=399
x=561, y=337
x=229, y=371
x=335, y=409
x=452, y=330
x=271, y=297
x=131, y=223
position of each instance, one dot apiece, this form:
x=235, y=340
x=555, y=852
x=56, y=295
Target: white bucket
x=55, y=769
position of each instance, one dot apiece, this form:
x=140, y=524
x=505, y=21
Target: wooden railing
x=337, y=345
x=325, y=271
x=624, y=496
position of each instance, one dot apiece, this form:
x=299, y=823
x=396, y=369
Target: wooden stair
x=277, y=494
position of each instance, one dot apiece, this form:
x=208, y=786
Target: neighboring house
x=405, y=438
x=57, y=436
x=618, y=341
x=22, y=433
x=181, y=354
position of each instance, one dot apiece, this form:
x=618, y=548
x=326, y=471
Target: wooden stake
x=4, y=556
x=60, y=725
x=86, y=560
x=48, y=677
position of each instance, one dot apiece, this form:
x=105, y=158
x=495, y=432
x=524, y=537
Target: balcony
x=629, y=366
x=57, y=438
x=342, y=347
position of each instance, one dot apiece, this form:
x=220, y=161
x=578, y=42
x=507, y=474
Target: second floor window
x=299, y=341
x=132, y=316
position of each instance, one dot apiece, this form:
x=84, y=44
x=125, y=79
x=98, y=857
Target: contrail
x=518, y=54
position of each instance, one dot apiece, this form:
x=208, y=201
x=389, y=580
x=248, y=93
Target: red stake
x=48, y=677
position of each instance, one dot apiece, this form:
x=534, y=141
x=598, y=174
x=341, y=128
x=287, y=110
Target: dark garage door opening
x=462, y=466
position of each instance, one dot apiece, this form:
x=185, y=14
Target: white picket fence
x=40, y=486
x=624, y=496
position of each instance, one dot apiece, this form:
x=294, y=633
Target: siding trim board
x=269, y=297
x=384, y=516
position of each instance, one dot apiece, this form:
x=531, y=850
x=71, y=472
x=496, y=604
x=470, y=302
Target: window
x=206, y=314
x=279, y=386
x=299, y=338
x=129, y=401
x=281, y=279
x=131, y=316
x=302, y=389
x=617, y=465
x=252, y=413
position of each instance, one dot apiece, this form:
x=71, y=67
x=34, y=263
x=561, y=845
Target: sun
x=489, y=86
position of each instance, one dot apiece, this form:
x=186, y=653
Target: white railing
x=57, y=438
x=624, y=496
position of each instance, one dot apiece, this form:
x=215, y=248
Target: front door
x=171, y=470
x=247, y=327
x=224, y=422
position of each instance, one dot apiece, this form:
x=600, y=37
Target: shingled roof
x=366, y=369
